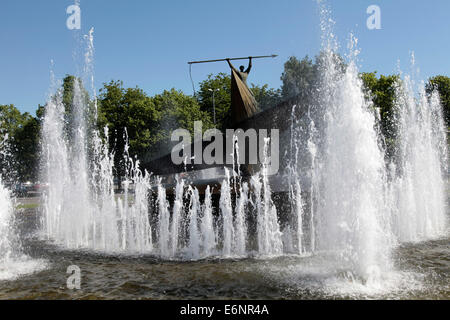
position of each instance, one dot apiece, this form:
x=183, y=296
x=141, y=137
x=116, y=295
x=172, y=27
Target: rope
x=192, y=81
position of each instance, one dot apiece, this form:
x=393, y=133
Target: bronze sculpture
x=243, y=75
x=243, y=103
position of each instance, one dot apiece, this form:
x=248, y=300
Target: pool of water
x=422, y=272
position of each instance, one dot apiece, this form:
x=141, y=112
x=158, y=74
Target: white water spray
x=226, y=210
x=81, y=209
x=208, y=232
x=354, y=206
x=13, y=262
x=268, y=229
x=194, y=234
x=420, y=181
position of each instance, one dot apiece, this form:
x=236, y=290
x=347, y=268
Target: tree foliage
x=265, y=96
x=123, y=109
x=19, y=133
x=442, y=85
x=148, y=121
x=73, y=94
x=382, y=92
x=298, y=78
x=221, y=85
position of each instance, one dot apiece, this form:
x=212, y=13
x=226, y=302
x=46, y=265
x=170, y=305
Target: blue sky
x=148, y=43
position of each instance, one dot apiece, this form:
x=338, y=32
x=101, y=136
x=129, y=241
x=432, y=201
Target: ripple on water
x=421, y=272
x=319, y=278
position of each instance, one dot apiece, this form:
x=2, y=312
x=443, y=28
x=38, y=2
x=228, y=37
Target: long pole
x=244, y=58
x=214, y=108
x=214, y=102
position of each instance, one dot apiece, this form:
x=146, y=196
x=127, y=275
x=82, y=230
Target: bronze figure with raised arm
x=243, y=75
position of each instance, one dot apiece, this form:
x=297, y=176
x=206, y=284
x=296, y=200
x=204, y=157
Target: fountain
x=419, y=186
x=13, y=262
x=351, y=210
x=6, y=209
x=345, y=201
x=80, y=208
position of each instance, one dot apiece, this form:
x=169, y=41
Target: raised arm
x=231, y=66
x=249, y=65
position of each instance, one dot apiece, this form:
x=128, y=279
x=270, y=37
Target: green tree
x=131, y=109
x=11, y=119
x=265, y=96
x=68, y=88
x=324, y=59
x=112, y=115
x=221, y=84
x=26, y=141
x=178, y=111
x=382, y=92
x=141, y=120
x=20, y=136
x=73, y=94
x=298, y=78
x=442, y=85
x=301, y=77
x=40, y=113
x=148, y=121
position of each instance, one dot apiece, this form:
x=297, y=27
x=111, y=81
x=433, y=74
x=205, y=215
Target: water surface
x=423, y=272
